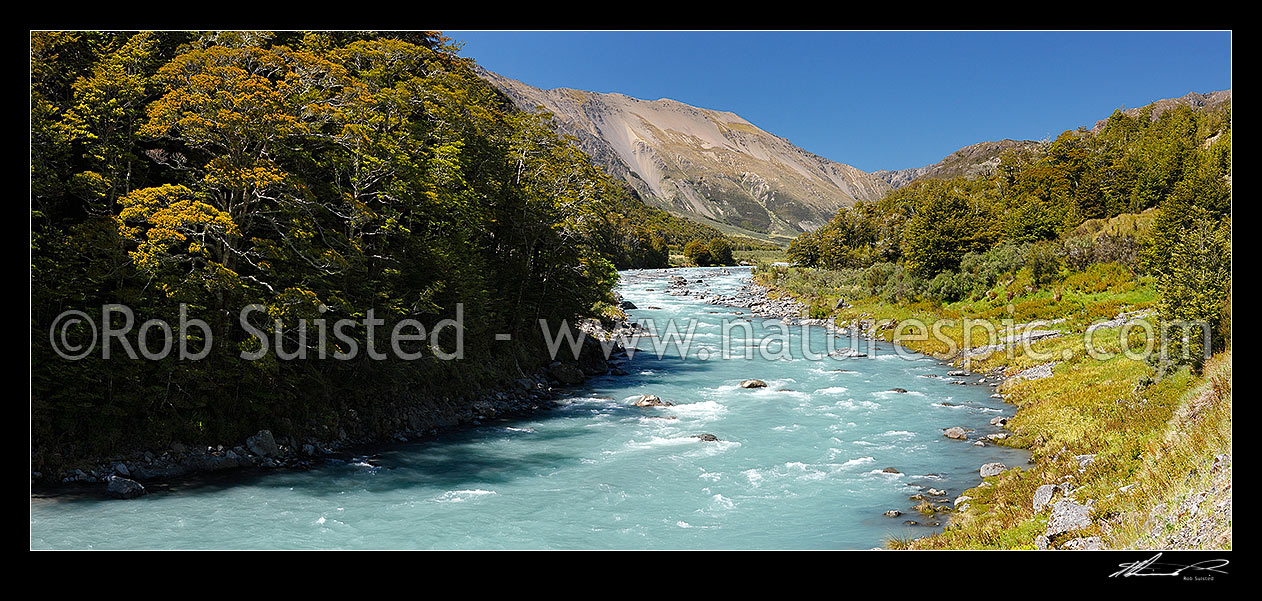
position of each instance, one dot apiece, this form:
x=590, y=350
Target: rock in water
x=893, y=513
x=706, y=437
x=263, y=444
x=122, y=488
x=753, y=384
x=898, y=390
x=956, y=433
x=890, y=470
x=651, y=400
x=992, y=469
x=626, y=304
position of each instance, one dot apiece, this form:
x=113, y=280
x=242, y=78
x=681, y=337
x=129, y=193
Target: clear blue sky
x=875, y=100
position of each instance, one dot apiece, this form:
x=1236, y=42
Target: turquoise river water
x=798, y=464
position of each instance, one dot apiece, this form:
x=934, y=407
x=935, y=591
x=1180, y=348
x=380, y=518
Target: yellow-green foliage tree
x=321, y=175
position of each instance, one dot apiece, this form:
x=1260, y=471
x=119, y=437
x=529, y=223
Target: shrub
x=1044, y=263
x=720, y=252
x=698, y=253
x=950, y=286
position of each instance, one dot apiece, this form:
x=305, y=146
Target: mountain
x=977, y=159
x=708, y=165
x=1207, y=101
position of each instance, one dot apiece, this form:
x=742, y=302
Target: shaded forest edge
x=320, y=176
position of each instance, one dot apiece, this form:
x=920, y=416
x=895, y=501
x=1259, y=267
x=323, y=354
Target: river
x=798, y=464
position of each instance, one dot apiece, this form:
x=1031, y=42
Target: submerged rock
x=706, y=437
x=898, y=390
x=890, y=470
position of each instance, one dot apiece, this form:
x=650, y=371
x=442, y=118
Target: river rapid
x=798, y=464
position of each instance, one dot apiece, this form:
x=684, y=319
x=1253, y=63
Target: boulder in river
x=900, y=390
x=651, y=400
x=752, y=383
x=626, y=304
x=890, y=470
x=893, y=513
x=706, y=437
x=957, y=433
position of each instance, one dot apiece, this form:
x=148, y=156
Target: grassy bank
x=1160, y=472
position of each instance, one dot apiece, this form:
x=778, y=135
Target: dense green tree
x=946, y=225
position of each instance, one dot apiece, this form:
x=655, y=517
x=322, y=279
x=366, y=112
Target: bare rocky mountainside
x=711, y=166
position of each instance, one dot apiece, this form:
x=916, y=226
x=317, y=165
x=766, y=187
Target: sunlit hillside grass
x=1154, y=444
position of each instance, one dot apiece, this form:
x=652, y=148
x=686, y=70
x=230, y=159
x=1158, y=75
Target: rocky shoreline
x=125, y=476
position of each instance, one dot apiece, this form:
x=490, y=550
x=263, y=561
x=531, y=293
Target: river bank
x=1119, y=459
x=128, y=475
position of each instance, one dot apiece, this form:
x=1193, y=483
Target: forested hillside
x=321, y=175
x=1103, y=253
x=955, y=239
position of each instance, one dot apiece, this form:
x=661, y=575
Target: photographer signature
x=1150, y=567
